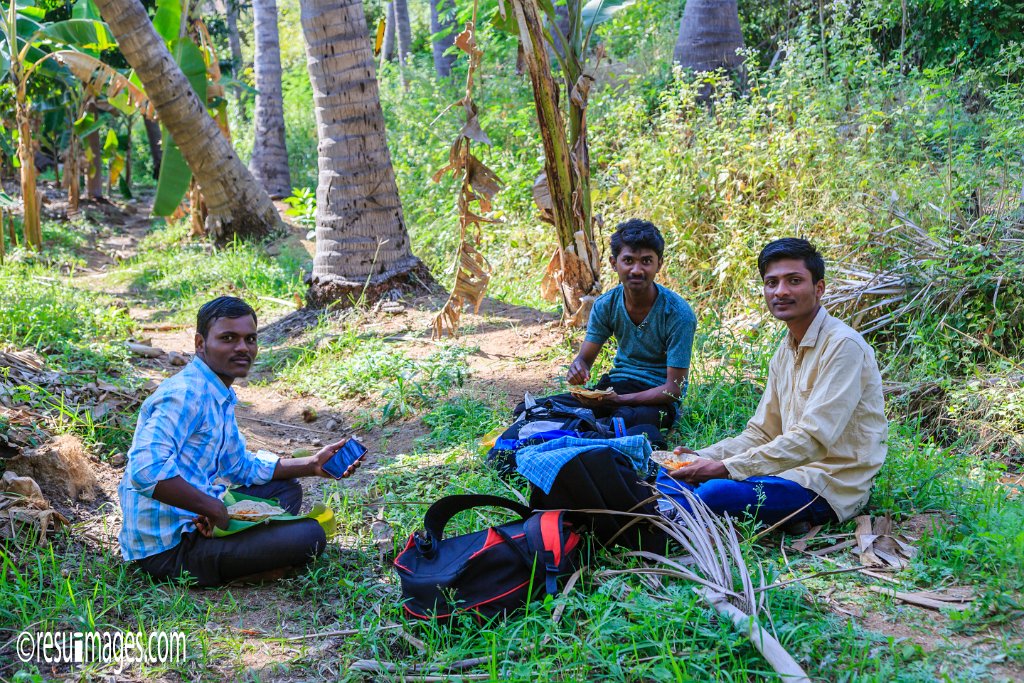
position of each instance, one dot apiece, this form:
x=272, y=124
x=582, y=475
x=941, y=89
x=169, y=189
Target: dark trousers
x=766, y=499
x=662, y=416
x=216, y=561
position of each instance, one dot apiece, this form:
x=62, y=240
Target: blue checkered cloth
x=541, y=464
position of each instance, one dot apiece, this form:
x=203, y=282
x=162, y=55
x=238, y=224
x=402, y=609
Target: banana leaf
x=175, y=174
x=167, y=21
x=84, y=34
x=85, y=9
x=320, y=512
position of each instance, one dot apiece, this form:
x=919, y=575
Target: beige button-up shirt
x=821, y=421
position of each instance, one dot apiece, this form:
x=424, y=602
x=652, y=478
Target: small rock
x=331, y=426
x=117, y=459
x=317, y=442
x=176, y=358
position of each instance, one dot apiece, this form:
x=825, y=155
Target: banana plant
x=562, y=191
x=200, y=65
x=26, y=48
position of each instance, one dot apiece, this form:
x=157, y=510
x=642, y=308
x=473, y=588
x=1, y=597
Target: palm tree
x=237, y=204
x=361, y=240
x=404, y=29
x=442, y=18
x=387, y=46
x=235, y=42
x=269, y=162
x=709, y=35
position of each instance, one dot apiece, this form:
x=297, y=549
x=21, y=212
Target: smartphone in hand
x=343, y=458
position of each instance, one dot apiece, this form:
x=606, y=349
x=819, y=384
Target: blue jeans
x=766, y=499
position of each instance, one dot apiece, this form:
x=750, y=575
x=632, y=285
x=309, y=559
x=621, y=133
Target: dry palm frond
x=479, y=184
x=928, y=274
x=715, y=561
x=101, y=79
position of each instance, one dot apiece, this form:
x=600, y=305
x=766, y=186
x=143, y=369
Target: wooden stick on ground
x=921, y=600
x=289, y=426
x=770, y=649
x=331, y=634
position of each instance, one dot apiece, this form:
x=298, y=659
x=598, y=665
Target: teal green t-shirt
x=663, y=340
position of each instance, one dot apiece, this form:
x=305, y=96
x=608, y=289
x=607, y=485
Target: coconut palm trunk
x=403, y=29
x=235, y=42
x=269, y=162
x=442, y=17
x=361, y=240
x=237, y=204
x=709, y=35
x=387, y=46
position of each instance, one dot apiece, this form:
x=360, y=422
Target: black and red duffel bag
x=487, y=572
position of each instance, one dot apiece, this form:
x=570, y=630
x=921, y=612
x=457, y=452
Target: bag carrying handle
x=442, y=511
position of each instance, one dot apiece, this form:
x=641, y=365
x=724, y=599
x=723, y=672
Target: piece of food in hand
x=253, y=510
x=669, y=460
x=584, y=392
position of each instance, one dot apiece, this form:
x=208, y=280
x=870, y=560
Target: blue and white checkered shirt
x=187, y=428
x=540, y=464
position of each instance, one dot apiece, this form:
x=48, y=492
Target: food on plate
x=584, y=392
x=669, y=460
x=253, y=510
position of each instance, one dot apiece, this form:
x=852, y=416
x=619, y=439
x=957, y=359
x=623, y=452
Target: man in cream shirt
x=818, y=437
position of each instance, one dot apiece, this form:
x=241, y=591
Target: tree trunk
x=237, y=204
x=94, y=171
x=26, y=155
x=403, y=30
x=361, y=241
x=128, y=157
x=442, y=18
x=387, y=46
x=269, y=163
x=72, y=173
x=709, y=35
x=155, y=145
x=235, y=41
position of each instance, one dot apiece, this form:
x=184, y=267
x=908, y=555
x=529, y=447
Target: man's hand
x=700, y=470
x=203, y=526
x=579, y=372
x=180, y=494
x=318, y=460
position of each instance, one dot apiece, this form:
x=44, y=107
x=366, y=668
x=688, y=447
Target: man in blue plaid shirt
x=187, y=451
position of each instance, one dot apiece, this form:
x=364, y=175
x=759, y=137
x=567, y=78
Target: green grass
x=179, y=276
x=335, y=367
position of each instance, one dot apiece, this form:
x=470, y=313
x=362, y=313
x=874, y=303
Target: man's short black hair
x=792, y=248
x=637, y=234
x=222, y=307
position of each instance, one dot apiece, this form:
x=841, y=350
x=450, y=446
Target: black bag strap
x=543, y=538
x=442, y=511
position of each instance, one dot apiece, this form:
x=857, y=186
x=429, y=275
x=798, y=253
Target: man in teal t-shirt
x=654, y=329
